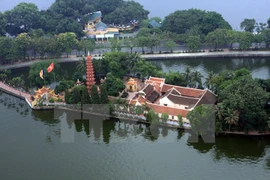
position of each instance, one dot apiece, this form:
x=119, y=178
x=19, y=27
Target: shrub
x=51, y=100
x=124, y=95
x=59, y=100
x=32, y=98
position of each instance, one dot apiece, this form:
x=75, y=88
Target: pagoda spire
x=90, y=76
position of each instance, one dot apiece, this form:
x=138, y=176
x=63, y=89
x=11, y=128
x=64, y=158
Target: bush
x=51, y=100
x=59, y=100
x=124, y=95
x=32, y=98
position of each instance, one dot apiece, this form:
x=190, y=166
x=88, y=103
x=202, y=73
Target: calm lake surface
x=259, y=67
x=31, y=148
x=31, y=145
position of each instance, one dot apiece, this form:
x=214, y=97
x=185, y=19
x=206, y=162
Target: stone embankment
x=15, y=92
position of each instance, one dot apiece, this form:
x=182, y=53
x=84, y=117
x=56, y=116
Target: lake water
x=259, y=67
x=31, y=148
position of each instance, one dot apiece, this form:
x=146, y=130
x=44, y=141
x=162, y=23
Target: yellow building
x=132, y=85
x=96, y=29
x=46, y=94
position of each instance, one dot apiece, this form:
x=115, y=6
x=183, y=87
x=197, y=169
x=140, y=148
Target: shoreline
x=46, y=108
x=230, y=54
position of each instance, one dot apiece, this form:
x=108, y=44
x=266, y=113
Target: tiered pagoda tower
x=90, y=76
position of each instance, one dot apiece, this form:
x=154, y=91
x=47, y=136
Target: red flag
x=50, y=68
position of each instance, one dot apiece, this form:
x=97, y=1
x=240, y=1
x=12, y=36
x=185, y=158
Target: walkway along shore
x=157, y=56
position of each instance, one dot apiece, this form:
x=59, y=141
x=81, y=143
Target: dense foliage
x=48, y=78
x=68, y=15
x=186, y=21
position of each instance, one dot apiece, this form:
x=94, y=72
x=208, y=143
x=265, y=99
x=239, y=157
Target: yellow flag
x=41, y=73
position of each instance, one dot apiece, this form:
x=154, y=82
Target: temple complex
x=45, y=94
x=170, y=99
x=96, y=29
x=90, y=76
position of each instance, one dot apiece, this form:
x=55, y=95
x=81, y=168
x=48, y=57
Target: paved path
x=10, y=90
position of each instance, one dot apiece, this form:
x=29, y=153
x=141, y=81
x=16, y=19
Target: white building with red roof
x=170, y=99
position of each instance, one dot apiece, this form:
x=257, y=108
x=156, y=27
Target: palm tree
x=196, y=77
x=208, y=80
x=232, y=118
x=133, y=59
x=81, y=65
x=268, y=122
x=219, y=111
x=187, y=75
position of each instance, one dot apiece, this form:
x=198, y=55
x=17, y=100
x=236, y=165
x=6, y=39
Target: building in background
x=100, y=31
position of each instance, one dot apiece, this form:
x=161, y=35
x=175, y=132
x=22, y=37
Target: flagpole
x=44, y=77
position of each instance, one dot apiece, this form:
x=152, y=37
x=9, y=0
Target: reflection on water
x=259, y=67
x=14, y=103
x=100, y=144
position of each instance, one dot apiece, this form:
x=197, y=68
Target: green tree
x=194, y=42
x=53, y=47
x=81, y=65
x=231, y=118
x=260, y=27
x=187, y=75
x=248, y=25
x=2, y=24
x=35, y=68
x=67, y=41
x=196, y=79
x=76, y=95
x=133, y=60
x=8, y=50
x=153, y=41
x=170, y=45
x=145, y=68
x=142, y=42
x=23, y=41
x=130, y=43
x=16, y=24
x=115, y=44
x=184, y=21
x=152, y=117
x=202, y=119
x=266, y=37
x=217, y=37
x=245, y=96
x=104, y=94
x=175, y=78
x=95, y=99
x=114, y=85
x=17, y=82
x=209, y=79
x=164, y=117
x=180, y=120
x=129, y=10
x=85, y=96
x=233, y=36
x=67, y=97
x=246, y=39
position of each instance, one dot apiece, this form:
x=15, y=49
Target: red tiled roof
x=191, y=92
x=169, y=110
x=158, y=80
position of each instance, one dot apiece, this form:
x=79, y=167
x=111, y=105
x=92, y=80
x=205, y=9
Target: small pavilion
x=132, y=85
